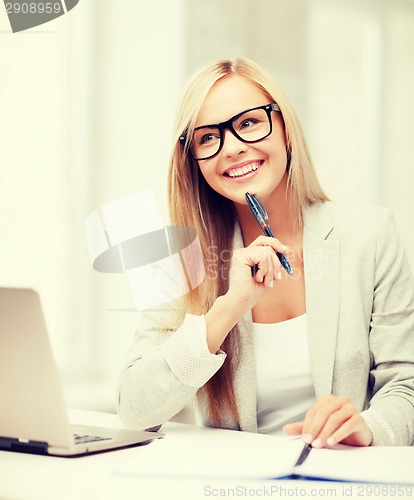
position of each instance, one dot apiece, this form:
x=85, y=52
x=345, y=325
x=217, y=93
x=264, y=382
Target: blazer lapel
x=321, y=265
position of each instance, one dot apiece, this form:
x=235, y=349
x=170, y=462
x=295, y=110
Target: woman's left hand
x=332, y=420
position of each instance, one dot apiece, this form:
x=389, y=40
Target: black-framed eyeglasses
x=251, y=125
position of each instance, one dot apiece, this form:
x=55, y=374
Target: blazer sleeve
x=391, y=411
x=165, y=369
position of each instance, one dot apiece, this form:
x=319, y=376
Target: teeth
x=238, y=172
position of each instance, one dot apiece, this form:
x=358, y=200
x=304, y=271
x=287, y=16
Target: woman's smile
x=243, y=171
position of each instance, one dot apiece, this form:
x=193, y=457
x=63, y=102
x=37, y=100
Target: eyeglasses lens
x=251, y=126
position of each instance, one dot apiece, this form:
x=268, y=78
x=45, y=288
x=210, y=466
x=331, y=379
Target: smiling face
x=257, y=167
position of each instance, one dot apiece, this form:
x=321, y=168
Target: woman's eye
x=207, y=138
x=247, y=123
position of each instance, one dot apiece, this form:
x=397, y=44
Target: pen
x=260, y=214
x=304, y=454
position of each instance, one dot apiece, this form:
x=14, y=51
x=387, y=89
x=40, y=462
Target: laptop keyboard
x=84, y=438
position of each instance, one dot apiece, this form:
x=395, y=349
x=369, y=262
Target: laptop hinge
x=24, y=446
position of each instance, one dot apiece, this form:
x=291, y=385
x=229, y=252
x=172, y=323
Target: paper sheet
x=377, y=464
x=215, y=454
x=199, y=452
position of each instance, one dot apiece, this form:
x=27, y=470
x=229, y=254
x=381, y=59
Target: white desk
x=30, y=477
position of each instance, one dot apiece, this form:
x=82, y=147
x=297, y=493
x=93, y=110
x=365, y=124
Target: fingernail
x=307, y=438
x=317, y=443
x=279, y=275
x=284, y=247
x=271, y=284
x=330, y=441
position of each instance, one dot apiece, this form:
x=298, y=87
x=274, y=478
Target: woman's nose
x=232, y=145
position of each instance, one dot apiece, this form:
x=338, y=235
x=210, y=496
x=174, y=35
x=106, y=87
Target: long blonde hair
x=193, y=203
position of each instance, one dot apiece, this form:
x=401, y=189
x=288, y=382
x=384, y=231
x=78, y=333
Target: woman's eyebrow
x=211, y=123
x=244, y=110
x=207, y=123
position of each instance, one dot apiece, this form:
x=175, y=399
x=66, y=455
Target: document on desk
x=374, y=464
x=217, y=453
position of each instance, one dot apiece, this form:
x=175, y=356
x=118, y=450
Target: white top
x=284, y=384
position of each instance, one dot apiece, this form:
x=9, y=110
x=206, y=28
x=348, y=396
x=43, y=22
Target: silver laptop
x=33, y=417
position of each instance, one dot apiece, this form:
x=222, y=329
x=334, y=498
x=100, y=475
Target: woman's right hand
x=246, y=288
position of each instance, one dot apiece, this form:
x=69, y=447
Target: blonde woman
x=327, y=353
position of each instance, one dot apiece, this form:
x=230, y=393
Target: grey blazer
x=360, y=314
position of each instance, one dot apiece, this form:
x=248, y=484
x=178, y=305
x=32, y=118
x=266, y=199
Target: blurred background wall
x=87, y=105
